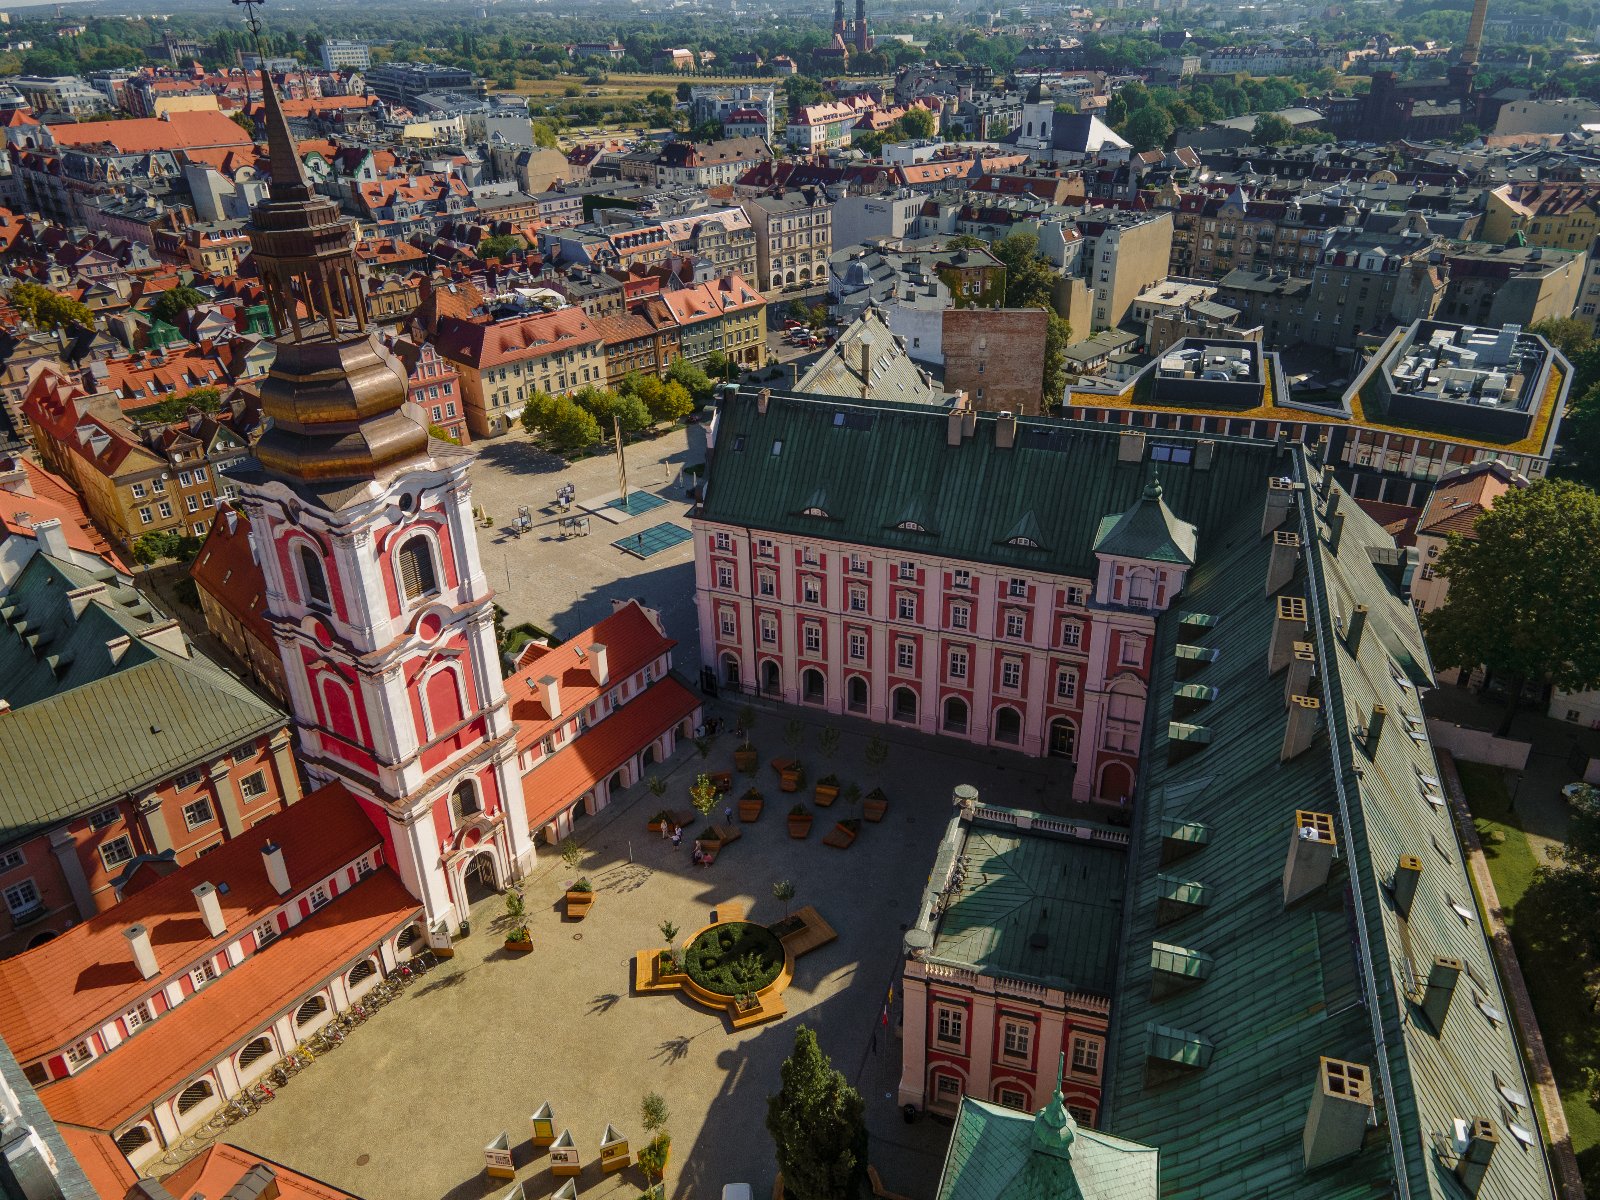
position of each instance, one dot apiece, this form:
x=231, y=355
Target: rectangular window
x=185, y=478
x=117, y=851
x=187, y=779
x=908, y=569
x=767, y=584
x=1075, y=597
x=1015, y=624
x=22, y=897
x=266, y=932
x=1019, y=588
x=958, y=664
x=727, y=623
x=1071, y=634
x=858, y=599
x=101, y=818
x=197, y=814
x=905, y=655
x=254, y=785
x=724, y=575
x=319, y=896
x=722, y=541
x=812, y=590
x=1085, y=1055
x=164, y=508
x=11, y=860
x=1066, y=684
x=138, y=1015
x=813, y=635
x=80, y=1054
x=1011, y=674
x=204, y=973
x=961, y=579
x=906, y=606
x=764, y=547
x=960, y=615
x=145, y=516
x=769, y=631
x=139, y=491
x=858, y=646
x=858, y=565
x=1017, y=1039
x=951, y=1025
x=1132, y=652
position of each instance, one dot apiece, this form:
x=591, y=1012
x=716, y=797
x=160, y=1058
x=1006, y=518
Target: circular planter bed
x=734, y=957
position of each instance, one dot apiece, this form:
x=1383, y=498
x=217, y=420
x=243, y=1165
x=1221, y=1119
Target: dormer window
x=813, y=511
x=1026, y=543
x=911, y=527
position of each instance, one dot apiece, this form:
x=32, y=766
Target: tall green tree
x=1056, y=340
x=47, y=309
x=1272, y=130
x=174, y=302
x=559, y=422
x=1030, y=279
x=1148, y=128
x=1522, y=599
x=693, y=380
x=818, y=1126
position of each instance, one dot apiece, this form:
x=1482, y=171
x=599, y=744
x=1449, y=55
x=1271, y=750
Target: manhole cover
x=363, y=1160
x=577, y=937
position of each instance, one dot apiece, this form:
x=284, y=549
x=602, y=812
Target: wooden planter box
x=840, y=837
x=875, y=805
x=666, y=972
x=522, y=947
x=799, y=827
x=708, y=850
x=745, y=761
x=750, y=810
x=826, y=794
x=578, y=904
x=789, y=780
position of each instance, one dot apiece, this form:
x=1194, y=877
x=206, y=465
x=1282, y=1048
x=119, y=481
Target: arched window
x=407, y=938
x=445, y=707
x=904, y=706
x=856, y=694
x=310, y=1010
x=811, y=686
x=134, y=1140
x=197, y=1092
x=362, y=971
x=256, y=1050
x=415, y=565
x=338, y=708
x=316, y=583
x=1007, y=726
x=465, y=799
x=1063, y=739
x=955, y=715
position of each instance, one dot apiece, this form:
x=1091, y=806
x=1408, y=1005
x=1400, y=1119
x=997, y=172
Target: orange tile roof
x=726, y=295
x=632, y=641
x=51, y=994
x=200, y=1030
x=592, y=756
x=51, y=498
x=312, y=105
x=411, y=190
x=217, y=1168
x=1461, y=497
x=144, y=135
x=488, y=345
x=227, y=570
x=107, y=1170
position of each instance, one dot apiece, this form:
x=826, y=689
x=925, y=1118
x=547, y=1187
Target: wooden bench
x=721, y=781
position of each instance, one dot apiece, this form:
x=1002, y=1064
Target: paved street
x=403, y=1109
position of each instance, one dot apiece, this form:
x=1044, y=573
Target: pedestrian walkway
x=654, y=540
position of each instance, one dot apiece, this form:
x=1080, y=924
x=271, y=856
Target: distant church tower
x=363, y=528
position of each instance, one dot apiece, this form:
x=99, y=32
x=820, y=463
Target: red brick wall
x=996, y=356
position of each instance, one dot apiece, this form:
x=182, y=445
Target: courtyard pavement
x=403, y=1109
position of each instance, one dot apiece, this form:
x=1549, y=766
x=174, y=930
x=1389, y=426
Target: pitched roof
x=1148, y=530
x=1336, y=971
x=54, y=992
x=219, y=1167
x=50, y=499
x=230, y=1011
x=103, y=1164
x=489, y=344
x=1462, y=496
x=146, y=710
x=227, y=570
x=145, y=135
x=892, y=374
x=995, y=1153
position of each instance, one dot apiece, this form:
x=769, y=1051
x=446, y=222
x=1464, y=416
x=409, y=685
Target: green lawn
x=1548, y=951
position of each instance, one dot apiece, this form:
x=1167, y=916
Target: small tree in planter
x=827, y=790
x=783, y=890
x=794, y=733
x=518, y=938
x=703, y=745
x=653, y=1155
x=667, y=960
x=750, y=805
x=580, y=899
x=571, y=853
x=828, y=742
x=747, y=721
x=657, y=785
x=799, y=821
x=876, y=754
x=745, y=757
x=703, y=795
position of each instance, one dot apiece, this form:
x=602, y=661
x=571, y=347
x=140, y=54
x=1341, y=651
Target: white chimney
x=1302, y=726
x=599, y=664
x=1130, y=446
x=1285, y=558
x=52, y=537
x=1311, y=847
x=1280, y=496
x=210, y=904
x=144, y=955
x=277, y=872
x=1005, y=429
x=550, y=693
x=1474, y=1165
x=1341, y=1107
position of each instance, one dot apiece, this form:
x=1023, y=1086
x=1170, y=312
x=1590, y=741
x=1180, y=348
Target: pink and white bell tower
x=362, y=525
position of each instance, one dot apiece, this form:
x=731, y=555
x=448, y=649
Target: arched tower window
x=418, y=578
x=316, y=583
x=465, y=799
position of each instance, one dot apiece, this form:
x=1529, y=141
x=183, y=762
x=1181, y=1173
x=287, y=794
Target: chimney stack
x=763, y=398
x=277, y=872
x=1285, y=558
x=1440, y=990
x=1355, y=628
x=144, y=955
x=1341, y=1109
x=550, y=694
x=866, y=368
x=1005, y=429
x=205, y=896
x=1302, y=670
x=956, y=423
x=1280, y=498
x=1375, y=723
x=1481, y=1142
x=1310, y=857
x=1130, y=446
x=1289, y=628
x=1407, y=875
x=1335, y=531
x=1302, y=726
x=52, y=537
x=600, y=664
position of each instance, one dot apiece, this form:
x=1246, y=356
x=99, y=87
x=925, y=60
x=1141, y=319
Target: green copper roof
x=1035, y=905
x=1148, y=530
x=1035, y=505
x=1000, y=1154
x=1224, y=1006
x=92, y=722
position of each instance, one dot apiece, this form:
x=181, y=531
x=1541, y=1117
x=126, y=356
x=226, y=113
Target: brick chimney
x=1335, y=530
x=1289, y=628
x=144, y=955
x=1440, y=990
x=1284, y=560
x=550, y=695
x=277, y=872
x=1407, y=875
x=1354, y=628
x=1301, y=728
x=1474, y=1165
x=1311, y=847
x=1375, y=724
x=1280, y=499
x=1302, y=671
x=1341, y=1108
x=1005, y=429
x=210, y=905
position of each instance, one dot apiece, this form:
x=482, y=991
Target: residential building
x=339, y=54
x=818, y=128
x=81, y=831
x=1555, y=215
x=707, y=164
x=403, y=83
x=710, y=103
x=65, y=94
x=726, y=315
x=869, y=361
x=1511, y=285
x=502, y=363
x=1124, y=253
x=39, y=511
x=994, y=998
x=1457, y=501
x=215, y=249
x=995, y=356
x=232, y=591
x=434, y=388
x=794, y=238
x=859, y=218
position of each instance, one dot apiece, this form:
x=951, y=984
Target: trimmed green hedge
x=734, y=957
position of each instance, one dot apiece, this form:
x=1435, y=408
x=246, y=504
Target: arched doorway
x=955, y=715
x=478, y=878
x=769, y=678
x=1007, y=726
x=904, y=705
x=649, y=755
x=730, y=670
x=1116, y=783
x=617, y=782
x=856, y=694
x=1063, y=739
x=812, y=686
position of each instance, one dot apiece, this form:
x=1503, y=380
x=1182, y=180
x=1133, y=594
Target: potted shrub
x=876, y=805
x=827, y=790
x=653, y=1155
x=667, y=960
x=750, y=805
x=844, y=833
x=580, y=899
x=518, y=939
x=799, y=821
x=660, y=821
x=746, y=757
x=792, y=778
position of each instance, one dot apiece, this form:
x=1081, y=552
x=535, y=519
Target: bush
x=733, y=958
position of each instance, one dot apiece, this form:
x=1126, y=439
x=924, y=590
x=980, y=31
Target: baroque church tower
x=362, y=525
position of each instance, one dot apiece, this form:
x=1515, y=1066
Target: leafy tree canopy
x=47, y=309
x=818, y=1126
x=173, y=303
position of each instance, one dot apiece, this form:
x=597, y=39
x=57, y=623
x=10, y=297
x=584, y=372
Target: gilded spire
x=289, y=183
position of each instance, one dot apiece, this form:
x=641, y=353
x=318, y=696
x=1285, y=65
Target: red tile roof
x=107, y=1170
x=234, y=1008
x=51, y=498
x=227, y=570
x=516, y=340
x=219, y=1167
x=1461, y=497
x=51, y=994
x=704, y=300
x=590, y=757
x=143, y=135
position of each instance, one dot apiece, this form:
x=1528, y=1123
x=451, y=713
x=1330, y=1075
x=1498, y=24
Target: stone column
x=225, y=797
x=65, y=848
x=155, y=822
